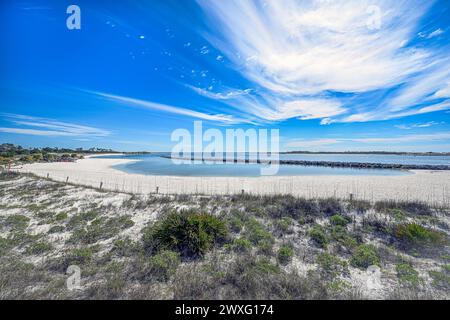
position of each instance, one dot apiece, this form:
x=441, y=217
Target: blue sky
x=330, y=75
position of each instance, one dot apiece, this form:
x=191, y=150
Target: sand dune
x=424, y=185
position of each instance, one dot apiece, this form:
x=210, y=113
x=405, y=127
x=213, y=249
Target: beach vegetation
x=330, y=266
x=441, y=278
x=241, y=245
x=413, y=235
x=39, y=247
x=256, y=232
x=365, y=256
x=17, y=222
x=414, y=208
x=283, y=225
x=190, y=233
x=407, y=275
x=285, y=254
x=339, y=220
x=56, y=229
x=164, y=264
x=319, y=236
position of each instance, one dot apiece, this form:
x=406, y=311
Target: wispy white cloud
x=222, y=118
x=227, y=94
x=298, y=51
x=433, y=34
x=312, y=143
x=52, y=127
x=418, y=125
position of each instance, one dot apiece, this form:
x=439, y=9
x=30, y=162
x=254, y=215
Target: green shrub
x=330, y=206
x=285, y=254
x=5, y=245
x=78, y=256
x=339, y=233
x=265, y=247
x=398, y=214
x=164, y=264
x=236, y=224
x=407, y=274
x=39, y=247
x=56, y=229
x=256, y=232
x=189, y=233
x=283, y=225
x=125, y=247
x=17, y=222
x=318, y=235
x=61, y=216
x=365, y=255
x=338, y=220
x=100, y=229
x=331, y=266
x=241, y=245
x=415, y=235
x=441, y=279
x=411, y=207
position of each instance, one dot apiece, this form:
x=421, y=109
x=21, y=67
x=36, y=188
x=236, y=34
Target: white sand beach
x=423, y=185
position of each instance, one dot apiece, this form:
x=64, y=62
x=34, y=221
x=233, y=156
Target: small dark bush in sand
x=338, y=220
x=365, y=255
x=319, y=236
x=189, y=233
x=407, y=274
x=285, y=254
x=331, y=266
x=412, y=207
x=413, y=236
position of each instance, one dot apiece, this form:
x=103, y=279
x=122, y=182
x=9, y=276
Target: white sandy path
x=424, y=185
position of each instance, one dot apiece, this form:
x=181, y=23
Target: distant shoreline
x=331, y=152
x=372, y=153
x=424, y=185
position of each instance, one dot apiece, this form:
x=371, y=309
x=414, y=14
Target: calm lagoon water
x=154, y=164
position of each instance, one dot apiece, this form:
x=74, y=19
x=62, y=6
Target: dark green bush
x=39, y=247
x=338, y=220
x=285, y=254
x=17, y=222
x=61, y=216
x=189, y=233
x=441, y=279
x=414, y=235
x=339, y=234
x=318, y=235
x=330, y=206
x=407, y=274
x=411, y=207
x=365, y=255
x=283, y=225
x=331, y=266
x=241, y=245
x=56, y=229
x=5, y=245
x=256, y=232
